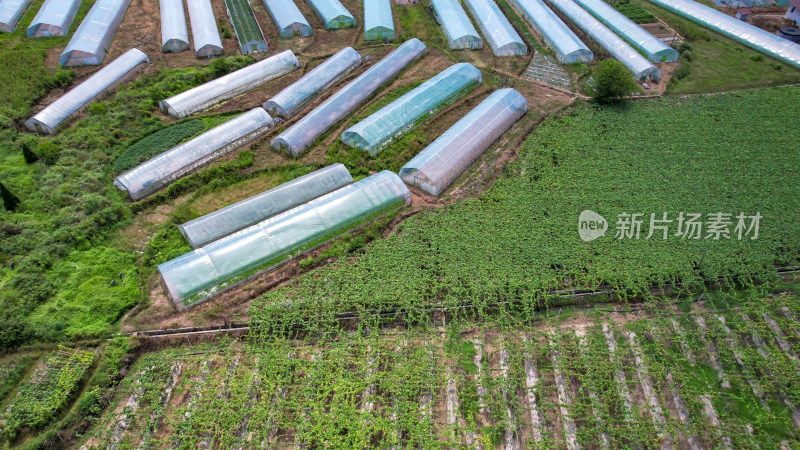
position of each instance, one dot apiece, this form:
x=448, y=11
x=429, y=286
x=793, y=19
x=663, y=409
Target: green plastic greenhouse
x=222, y=264
x=378, y=20
x=399, y=117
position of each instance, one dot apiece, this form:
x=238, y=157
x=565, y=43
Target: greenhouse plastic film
x=11, y=12
x=449, y=155
x=568, y=47
x=205, y=34
x=653, y=48
x=497, y=30
x=333, y=14
x=252, y=210
x=288, y=18
x=457, y=28
x=378, y=20
x=619, y=49
x=197, y=275
x=753, y=37
x=305, y=131
x=292, y=99
x=185, y=158
x=229, y=86
x=48, y=119
x=91, y=40
x=54, y=18
x=174, y=34
x=399, y=117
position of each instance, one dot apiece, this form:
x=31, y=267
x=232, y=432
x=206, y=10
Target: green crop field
x=449, y=323
x=520, y=239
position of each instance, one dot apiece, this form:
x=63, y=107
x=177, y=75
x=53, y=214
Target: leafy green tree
x=10, y=201
x=612, y=82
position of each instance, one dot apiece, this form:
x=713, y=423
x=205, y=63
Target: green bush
x=683, y=71
x=612, y=82
x=157, y=143
x=48, y=152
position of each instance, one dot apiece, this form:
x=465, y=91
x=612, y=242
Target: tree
x=28, y=154
x=10, y=201
x=612, y=82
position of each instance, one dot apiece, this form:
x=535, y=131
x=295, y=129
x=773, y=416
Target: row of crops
x=719, y=372
x=34, y=398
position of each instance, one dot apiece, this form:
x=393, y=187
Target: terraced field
x=719, y=372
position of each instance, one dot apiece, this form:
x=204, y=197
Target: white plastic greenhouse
x=457, y=28
x=91, y=40
x=496, y=29
x=167, y=167
x=54, y=18
x=288, y=18
x=333, y=14
x=220, y=223
x=174, y=33
x=205, y=34
x=114, y=73
x=568, y=48
x=305, y=131
x=619, y=49
x=235, y=83
x=399, y=117
x=378, y=20
x=753, y=37
x=651, y=47
x=449, y=155
x=11, y=12
x=292, y=99
x=196, y=276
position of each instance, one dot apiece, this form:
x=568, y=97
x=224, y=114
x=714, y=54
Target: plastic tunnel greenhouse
x=378, y=20
x=259, y=207
x=48, y=119
x=753, y=37
x=305, y=131
x=235, y=83
x=89, y=44
x=619, y=49
x=167, y=167
x=248, y=31
x=174, y=34
x=207, y=271
x=53, y=19
x=651, y=47
x=288, y=18
x=568, y=48
x=457, y=28
x=333, y=14
x=497, y=30
x=292, y=99
x=433, y=169
x=399, y=117
x=11, y=12
x=205, y=34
